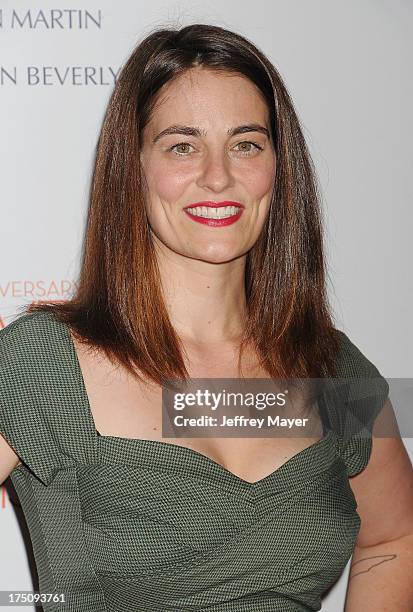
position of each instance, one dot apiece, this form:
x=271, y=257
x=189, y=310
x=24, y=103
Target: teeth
x=214, y=213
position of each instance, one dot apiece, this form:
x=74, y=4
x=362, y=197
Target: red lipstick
x=215, y=222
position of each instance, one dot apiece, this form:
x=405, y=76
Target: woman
x=122, y=518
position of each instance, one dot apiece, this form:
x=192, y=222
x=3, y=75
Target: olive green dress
x=127, y=525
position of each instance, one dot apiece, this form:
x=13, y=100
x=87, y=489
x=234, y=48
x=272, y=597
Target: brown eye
x=248, y=151
x=180, y=145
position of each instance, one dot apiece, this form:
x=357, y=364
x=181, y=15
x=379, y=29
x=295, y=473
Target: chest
x=124, y=407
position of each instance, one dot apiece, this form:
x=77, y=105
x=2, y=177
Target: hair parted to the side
x=118, y=305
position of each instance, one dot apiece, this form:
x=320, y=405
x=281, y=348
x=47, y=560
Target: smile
x=215, y=216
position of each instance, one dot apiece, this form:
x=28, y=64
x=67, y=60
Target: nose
x=216, y=173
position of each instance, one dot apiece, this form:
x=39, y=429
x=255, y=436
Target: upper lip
x=215, y=204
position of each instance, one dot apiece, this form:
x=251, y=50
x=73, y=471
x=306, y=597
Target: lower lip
x=216, y=222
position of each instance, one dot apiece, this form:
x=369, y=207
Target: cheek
x=166, y=182
x=259, y=180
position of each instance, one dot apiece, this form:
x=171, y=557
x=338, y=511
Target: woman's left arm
x=381, y=571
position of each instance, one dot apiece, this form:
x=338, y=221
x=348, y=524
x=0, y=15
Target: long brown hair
x=118, y=305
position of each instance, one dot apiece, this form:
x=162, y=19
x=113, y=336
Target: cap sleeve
x=360, y=394
x=29, y=421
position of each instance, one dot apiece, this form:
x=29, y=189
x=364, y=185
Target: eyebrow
x=187, y=130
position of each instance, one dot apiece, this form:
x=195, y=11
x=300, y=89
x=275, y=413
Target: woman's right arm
x=8, y=459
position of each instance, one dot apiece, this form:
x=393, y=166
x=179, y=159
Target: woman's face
x=203, y=162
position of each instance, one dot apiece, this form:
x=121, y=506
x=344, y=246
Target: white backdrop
x=348, y=68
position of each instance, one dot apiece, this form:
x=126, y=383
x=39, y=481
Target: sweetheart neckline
x=191, y=453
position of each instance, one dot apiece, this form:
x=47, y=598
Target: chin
x=217, y=256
